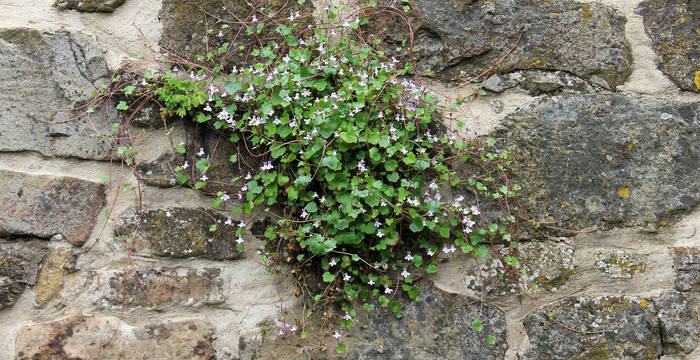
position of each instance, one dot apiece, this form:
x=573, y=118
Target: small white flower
x=475, y=210
x=228, y=221
x=185, y=165
x=409, y=257
x=347, y=316
x=370, y=282
x=346, y=277
x=205, y=177
x=387, y=289
x=239, y=240
x=337, y=335
x=430, y=252
x=405, y=273
x=332, y=262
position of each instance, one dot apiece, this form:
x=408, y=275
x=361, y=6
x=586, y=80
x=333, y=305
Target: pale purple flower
x=239, y=240
x=475, y=210
x=201, y=152
x=347, y=316
x=205, y=177
x=430, y=252
x=332, y=262
x=337, y=335
x=228, y=221
x=185, y=165
x=371, y=281
x=405, y=273
x=387, y=289
x=409, y=257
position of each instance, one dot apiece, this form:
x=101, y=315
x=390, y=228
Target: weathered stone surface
x=606, y=159
x=19, y=265
x=586, y=40
x=181, y=232
x=217, y=149
x=88, y=5
x=149, y=116
x=50, y=281
x=90, y=337
x=679, y=323
x=42, y=73
x=44, y=206
x=686, y=262
x=541, y=264
x=604, y=327
x=673, y=27
x=163, y=287
x=619, y=264
x=185, y=26
x=437, y=327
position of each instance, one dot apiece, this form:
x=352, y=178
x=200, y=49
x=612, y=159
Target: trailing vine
x=371, y=186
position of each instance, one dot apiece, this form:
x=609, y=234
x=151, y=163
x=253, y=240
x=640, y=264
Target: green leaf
x=278, y=152
x=302, y=180
x=431, y=269
x=328, y=277
x=391, y=165
x=282, y=179
x=490, y=340
x=481, y=251
x=232, y=87
x=212, y=228
x=417, y=224
x=477, y=325
x=330, y=162
x=122, y=105
x=311, y=207
x=340, y=349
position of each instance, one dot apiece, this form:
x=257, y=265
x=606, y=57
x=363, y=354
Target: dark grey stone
x=614, y=159
x=42, y=75
x=454, y=36
x=439, y=326
x=88, y=5
x=679, y=324
x=673, y=27
x=180, y=233
x=19, y=267
x=185, y=26
x=603, y=327
x=686, y=262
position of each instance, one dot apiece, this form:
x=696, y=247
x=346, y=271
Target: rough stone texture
x=164, y=287
x=185, y=33
x=42, y=73
x=686, y=261
x=19, y=265
x=90, y=337
x=148, y=116
x=604, y=327
x=673, y=27
x=546, y=264
x=586, y=40
x=617, y=159
x=437, y=327
x=619, y=264
x=50, y=281
x=44, y=206
x=217, y=149
x=181, y=232
x=88, y=5
x=679, y=324
x=160, y=173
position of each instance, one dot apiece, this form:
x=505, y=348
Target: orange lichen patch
x=696, y=81
x=623, y=192
x=630, y=147
x=643, y=303
x=413, y=325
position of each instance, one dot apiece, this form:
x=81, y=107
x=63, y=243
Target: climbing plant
x=370, y=185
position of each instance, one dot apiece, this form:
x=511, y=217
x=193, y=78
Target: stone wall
x=598, y=101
